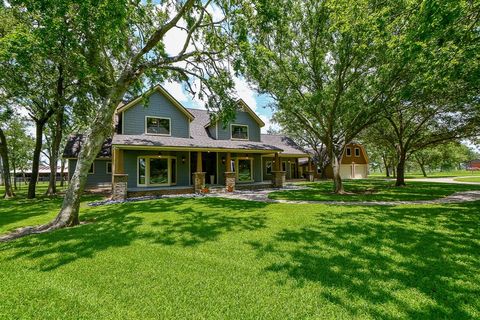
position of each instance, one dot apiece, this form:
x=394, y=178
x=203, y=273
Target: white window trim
x=159, y=134
x=106, y=167
x=346, y=153
x=147, y=171
x=93, y=167
x=239, y=125
x=357, y=150
x=251, y=168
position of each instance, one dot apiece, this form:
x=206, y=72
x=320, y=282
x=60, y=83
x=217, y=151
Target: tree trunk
x=337, y=179
x=5, y=166
x=422, y=167
x=56, y=140
x=400, y=182
x=39, y=125
x=387, y=167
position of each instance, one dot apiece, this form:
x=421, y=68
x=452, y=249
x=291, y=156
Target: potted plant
x=229, y=189
x=205, y=189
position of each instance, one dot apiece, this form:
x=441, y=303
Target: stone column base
x=198, y=181
x=119, y=186
x=278, y=179
x=310, y=176
x=230, y=179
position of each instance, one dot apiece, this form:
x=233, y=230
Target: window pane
x=349, y=151
x=357, y=152
x=109, y=167
x=164, y=126
x=152, y=125
x=174, y=171
x=239, y=132
x=284, y=166
x=244, y=170
x=158, y=126
x=158, y=171
x=141, y=170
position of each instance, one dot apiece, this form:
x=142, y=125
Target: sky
x=174, y=40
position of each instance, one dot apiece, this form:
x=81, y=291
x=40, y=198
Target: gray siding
x=100, y=177
x=244, y=118
x=158, y=106
x=130, y=162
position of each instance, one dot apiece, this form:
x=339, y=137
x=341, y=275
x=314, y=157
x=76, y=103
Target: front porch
x=139, y=172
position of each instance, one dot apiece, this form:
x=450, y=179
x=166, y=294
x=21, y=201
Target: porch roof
x=191, y=143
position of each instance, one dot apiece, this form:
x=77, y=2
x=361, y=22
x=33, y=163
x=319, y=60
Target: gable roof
x=122, y=107
x=251, y=112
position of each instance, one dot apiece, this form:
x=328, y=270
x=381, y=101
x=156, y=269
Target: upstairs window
x=357, y=152
x=156, y=125
x=349, y=152
x=239, y=132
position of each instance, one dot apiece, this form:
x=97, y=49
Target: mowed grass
x=19, y=212
x=372, y=190
x=230, y=259
x=468, y=179
x=435, y=174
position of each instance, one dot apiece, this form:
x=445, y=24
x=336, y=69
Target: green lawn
x=468, y=179
x=231, y=259
x=372, y=190
x=437, y=174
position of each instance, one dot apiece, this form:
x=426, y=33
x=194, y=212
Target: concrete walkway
x=444, y=180
x=262, y=195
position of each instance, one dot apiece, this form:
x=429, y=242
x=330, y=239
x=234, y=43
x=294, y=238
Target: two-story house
x=163, y=147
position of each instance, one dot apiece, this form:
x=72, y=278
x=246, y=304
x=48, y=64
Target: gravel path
x=262, y=195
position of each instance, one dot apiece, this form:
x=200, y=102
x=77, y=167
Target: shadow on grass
x=374, y=190
x=183, y=222
x=15, y=210
x=402, y=262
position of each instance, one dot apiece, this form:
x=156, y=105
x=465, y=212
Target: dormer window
x=349, y=152
x=157, y=125
x=357, y=152
x=239, y=132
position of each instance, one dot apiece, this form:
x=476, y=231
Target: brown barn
x=354, y=163
x=473, y=165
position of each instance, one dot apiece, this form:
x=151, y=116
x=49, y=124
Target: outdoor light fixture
x=223, y=160
x=183, y=159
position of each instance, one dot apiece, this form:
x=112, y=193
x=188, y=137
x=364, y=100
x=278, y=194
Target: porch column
x=230, y=175
x=199, y=175
x=119, y=178
x=310, y=172
x=278, y=176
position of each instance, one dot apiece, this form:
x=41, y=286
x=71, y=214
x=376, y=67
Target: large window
x=157, y=171
x=245, y=170
x=155, y=125
x=239, y=132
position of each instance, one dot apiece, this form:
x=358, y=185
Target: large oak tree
x=123, y=47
